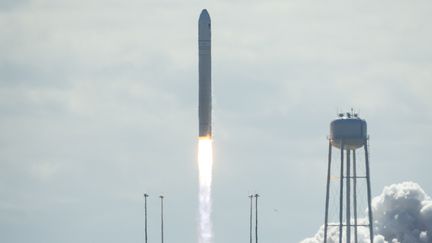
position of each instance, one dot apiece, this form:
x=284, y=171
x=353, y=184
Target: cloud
x=402, y=213
x=6, y=5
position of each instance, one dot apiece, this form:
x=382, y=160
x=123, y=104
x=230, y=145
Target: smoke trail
x=205, y=164
x=402, y=214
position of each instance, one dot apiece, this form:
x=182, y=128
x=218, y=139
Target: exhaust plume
x=205, y=164
x=402, y=214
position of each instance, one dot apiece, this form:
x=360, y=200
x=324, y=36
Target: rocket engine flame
x=205, y=165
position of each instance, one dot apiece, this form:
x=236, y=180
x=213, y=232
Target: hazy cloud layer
x=402, y=213
x=98, y=104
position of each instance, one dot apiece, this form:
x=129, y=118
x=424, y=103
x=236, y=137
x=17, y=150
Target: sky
x=98, y=104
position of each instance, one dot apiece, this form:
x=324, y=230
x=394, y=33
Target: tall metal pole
x=145, y=215
x=355, y=195
x=256, y=218
x=341, y=193
x=371, y=236
x=327, y=192
x=162, y=219
x=250, y=218
x=348, y=196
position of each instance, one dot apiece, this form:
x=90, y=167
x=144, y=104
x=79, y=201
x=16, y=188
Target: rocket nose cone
x=204, y=26
x=204, y=16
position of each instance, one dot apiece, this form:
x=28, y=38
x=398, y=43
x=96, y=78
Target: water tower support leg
x=341, y=193
x=250, y=218
x=371, y=234
x=348, y=196
x=327, y=192
x=355, y=195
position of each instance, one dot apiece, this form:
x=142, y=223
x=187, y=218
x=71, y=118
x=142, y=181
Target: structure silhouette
x=348, y=133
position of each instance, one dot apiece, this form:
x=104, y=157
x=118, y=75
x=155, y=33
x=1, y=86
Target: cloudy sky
x=98, y=103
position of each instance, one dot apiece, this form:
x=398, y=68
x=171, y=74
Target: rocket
x=204, y=73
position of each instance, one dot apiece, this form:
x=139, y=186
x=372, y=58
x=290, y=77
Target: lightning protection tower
x=348, y=133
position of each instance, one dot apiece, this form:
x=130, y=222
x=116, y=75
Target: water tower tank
x=349, y=129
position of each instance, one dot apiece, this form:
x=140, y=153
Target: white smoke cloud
x=402, y=214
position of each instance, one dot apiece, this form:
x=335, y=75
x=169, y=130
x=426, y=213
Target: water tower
x=348, y=133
